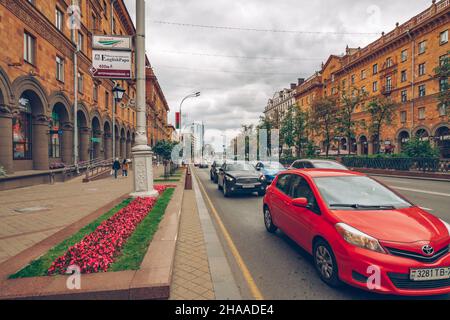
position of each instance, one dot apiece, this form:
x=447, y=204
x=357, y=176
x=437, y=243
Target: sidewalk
x=30, y=215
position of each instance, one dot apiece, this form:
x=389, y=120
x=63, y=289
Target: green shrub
x=417, y=148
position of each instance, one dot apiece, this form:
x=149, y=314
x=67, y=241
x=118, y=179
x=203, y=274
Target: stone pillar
x=128, y=149
x=358, y=148
x=67, y=143
x=118, y=147
x=107, y=147
x=6, y=145
x=85, y=145
x=123, y=148
x=97, y=146
x=371, y=148
x=40, y=140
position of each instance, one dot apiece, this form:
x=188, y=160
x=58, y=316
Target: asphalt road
x=283, y=270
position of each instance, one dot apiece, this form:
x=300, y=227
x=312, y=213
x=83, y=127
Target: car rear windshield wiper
x=361, y=206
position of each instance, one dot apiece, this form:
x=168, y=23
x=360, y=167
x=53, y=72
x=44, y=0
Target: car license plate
x=429, y=274
x=248, y=186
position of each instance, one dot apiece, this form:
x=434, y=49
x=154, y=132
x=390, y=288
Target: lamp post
x=118, y=93
x=142, y=153
x=192, y=95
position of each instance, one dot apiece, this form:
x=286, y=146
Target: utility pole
x=142, y=153
x=113, y=130
x=74, y=31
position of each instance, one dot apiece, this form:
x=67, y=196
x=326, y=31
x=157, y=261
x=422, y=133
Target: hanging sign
x=111, y=64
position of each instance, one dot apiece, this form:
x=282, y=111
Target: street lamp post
x=118, y=93
x=142, y=153
x=192, y=95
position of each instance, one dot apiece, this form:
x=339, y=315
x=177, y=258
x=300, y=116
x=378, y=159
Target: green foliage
x=324, y=120
x=443, y=73
x=2, y=172
x=382, y=112
x=420, y=149
x=164, y=149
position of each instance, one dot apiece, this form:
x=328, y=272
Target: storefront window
x=54, y=147
x=21, y=127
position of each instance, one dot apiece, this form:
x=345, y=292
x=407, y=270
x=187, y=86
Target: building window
x=403, y=116
x=80, y=41
x=422, y=113
x=363, y=89
x=403, y=76
x=54, y=146
x=375, y=68
x=422, y=47
x=59, y=19
x=95, y=92
x=21, y=130
x=29, y=48
x=442, y=110
x=94, y=22
x=421, y=69
x=443, y=38
x=375, y=86
x=443, y=85
x=343, y=83
x=422, y=91
x=353, y=79
x=442, y=60
x=80, y=82
x=363, y=74
x=59, y=69
x=389, y=62
x=388, y=83
x=106, y=99
x=404, y=55
x=404, y=95
x=114, y=25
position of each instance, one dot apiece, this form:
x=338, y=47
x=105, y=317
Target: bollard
x=188, y=181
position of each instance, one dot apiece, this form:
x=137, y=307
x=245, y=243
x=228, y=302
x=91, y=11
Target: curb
x=406, y=175
x=151, y=281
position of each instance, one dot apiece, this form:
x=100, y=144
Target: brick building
x=37, y=85
x=399, y=65
x=157, y=110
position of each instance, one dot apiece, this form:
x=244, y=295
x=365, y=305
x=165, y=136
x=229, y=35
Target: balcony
x=387, y=90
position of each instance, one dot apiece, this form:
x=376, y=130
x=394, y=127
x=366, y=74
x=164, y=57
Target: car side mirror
x=300, y=202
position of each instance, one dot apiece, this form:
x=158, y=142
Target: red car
x=360, y=232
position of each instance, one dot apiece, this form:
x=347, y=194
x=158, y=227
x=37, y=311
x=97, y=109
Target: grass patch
x=40, y=266
x=166, y=180
x=135, y=248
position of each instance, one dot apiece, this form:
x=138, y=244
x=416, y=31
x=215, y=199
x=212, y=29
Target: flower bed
x=98, y=249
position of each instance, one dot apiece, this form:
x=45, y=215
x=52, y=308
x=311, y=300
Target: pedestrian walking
x=116, y=167
x=125, y=166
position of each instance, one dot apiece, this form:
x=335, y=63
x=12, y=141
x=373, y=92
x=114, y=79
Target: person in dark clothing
x=116, y=167
x=125, y=168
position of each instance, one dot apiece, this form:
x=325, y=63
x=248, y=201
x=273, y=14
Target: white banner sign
x=112, y=42
x=111, y=64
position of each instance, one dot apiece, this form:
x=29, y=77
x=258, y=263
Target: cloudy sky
x=237, y=71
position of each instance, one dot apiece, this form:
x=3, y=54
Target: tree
x=164, y=149
x=349, y=99
x=323, y=119
x=381, y=112
x=293, y=129
x=443, y=73
x=417, y=148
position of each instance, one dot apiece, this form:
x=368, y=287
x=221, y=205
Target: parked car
x=269, y=169
x=240, y=177
x=203, y=164
x=353, y=225
x=214, y=171
x=317, y=163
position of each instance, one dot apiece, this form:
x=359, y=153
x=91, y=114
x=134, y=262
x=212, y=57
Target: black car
x=214, y=172
x=240, y=177
x=317, y=163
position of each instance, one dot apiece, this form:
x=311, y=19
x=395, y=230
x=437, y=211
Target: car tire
x=268, y=222
x=226, y=192
x=325, y=263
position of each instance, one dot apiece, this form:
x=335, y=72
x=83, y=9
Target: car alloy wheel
x=325, y=263
x=268, y=221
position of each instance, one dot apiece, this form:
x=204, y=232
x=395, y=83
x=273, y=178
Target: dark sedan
x=317, y=164
x=240, y=177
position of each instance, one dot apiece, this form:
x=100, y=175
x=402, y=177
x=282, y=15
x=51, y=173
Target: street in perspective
x=220, y=159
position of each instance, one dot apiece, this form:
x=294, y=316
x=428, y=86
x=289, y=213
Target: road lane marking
x=256, y=293
x=422, y=191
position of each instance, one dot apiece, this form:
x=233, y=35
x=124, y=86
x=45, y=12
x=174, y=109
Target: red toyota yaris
x=361, y=232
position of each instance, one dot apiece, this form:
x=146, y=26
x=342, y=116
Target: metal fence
x=404, y=164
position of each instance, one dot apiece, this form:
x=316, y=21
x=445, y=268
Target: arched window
x=54, y=146
x=21, y=127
